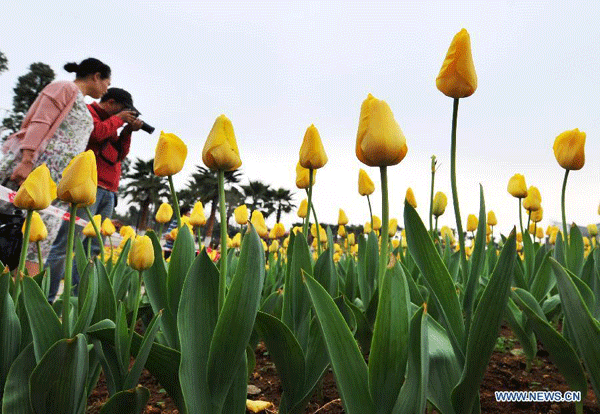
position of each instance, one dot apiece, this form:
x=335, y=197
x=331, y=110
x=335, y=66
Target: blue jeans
x=104, y=205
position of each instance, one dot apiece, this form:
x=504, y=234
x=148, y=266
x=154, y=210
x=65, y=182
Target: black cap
x=120, y=96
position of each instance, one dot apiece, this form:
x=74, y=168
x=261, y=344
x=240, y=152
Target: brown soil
x=506, y=372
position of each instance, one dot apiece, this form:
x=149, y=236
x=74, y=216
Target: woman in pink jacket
x=56, y=128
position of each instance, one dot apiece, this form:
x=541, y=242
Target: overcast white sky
x=275, y=68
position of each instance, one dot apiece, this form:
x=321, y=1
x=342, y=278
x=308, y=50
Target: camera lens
x=147, y=128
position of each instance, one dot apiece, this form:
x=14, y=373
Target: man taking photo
x=114, y=110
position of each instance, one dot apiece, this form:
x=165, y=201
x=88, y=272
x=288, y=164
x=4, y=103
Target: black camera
x=145, y=127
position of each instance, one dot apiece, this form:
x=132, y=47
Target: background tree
x=146, y=190
x=3, y=62
x=282, y=199
x=28, y=88
x=259, y=196
x=203, y=186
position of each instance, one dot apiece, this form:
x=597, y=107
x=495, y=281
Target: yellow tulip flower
x=274, y=247
x=365, y=184
x=517, y=187
x=38, y=230
x=410, y=197
x=533, y=201
x=302, y=210
x=170, y=155
x=88, y=230
x=351, y=239
x=312, y=153
x=37, y=191
x=472, y=222
x=367, y=227
x=379, y=140
x=376, y=223
x=107, y=228
x=258, y=221
x=342, y=218
x=539, y=233
x=569, y=149
x=164, y=213
x=491, y=218
x=79, y=181
x=537, y=215
x=241, y=214
x=457, y=78
x=141, y=255
x=302, y=176
x=392, y=227
x=220, y=150
x=197, y=217
x=341, y=231
x=440, y=201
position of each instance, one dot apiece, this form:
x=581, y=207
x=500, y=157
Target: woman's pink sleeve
x=46, y=114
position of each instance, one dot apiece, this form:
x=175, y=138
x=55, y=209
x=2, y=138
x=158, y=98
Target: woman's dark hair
x=87, y=67
x=183, y=210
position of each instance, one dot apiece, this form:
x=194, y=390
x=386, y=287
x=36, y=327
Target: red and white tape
x=6, y=194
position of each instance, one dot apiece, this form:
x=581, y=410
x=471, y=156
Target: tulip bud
x=302, y=176
x=410, y=197
x=367, y=227
x=447, y=232
x=472, y=222
x=274, y=246
x=241, y=214
x=342, y=218
x=258, y=221
x=197, y=216
x=302, y=210
x=312, y=153
x=376, y=223
x=440, y=201
x=519, y=237
x=38, y=230
x=351, y=239
x=79, y=181
x=392, y=227
x=539, y=233
x=379, y=140
x=88, y=230
x=170, y=155
x=537, y=215
x=533, y=201
x=395, y=243
x=569, y=149
x=365, y=184
x=107, y=228
x=141, y=255
x=517, y=187
x=592, y=230
x=237, y=240
x=265, y=247
x=220, y=150
x=491, y=218
x=457, y=78
x=532, y=228
x=488, y=229
x=341, y=231
x=37, y=191
x=164, y=213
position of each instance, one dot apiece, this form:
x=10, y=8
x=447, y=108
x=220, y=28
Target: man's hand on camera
x=127, y=116
x=136, y=124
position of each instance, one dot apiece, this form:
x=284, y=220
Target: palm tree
x=145, y=189
x=203, y=186
x=282, y=198
x=260, y=195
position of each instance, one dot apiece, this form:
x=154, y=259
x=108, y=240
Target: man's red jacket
x=110, y=147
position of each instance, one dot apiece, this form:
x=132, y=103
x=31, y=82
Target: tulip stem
x=520, y=216
x=318, y=230
x=431, y=195
x=40, y=258
x=436, y=227
x=97, y=230
x=111, y=247
x=223, y=273
x=370, y=211
x=89, y=248
x=383, y=257
x=23, y=257
x=199, y=231
x=459, y=227
x=175, y=201
x=307, y=218
x=160, y=231
x=564, y=216
x=66, y=296
x=136, y=306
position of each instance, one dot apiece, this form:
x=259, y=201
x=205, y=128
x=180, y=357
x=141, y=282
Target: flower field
x=392, y=324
